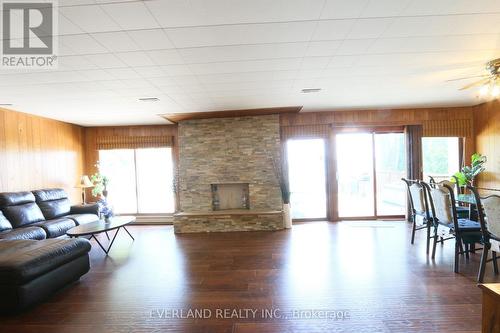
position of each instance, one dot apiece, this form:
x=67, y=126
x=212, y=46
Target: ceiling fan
x=490, y=83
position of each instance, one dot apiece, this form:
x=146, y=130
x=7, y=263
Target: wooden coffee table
x=94, y=228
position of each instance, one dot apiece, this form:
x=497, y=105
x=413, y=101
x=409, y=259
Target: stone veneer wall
x=228, y=150
x=223, y=223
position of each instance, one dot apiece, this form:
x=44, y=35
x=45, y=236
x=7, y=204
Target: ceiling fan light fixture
x=484, y=90
x=495, y=91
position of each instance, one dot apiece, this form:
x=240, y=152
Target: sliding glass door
x=141, y=180
x=370, y=166
x=355, y=177
x=390, y=167
x=307, y=178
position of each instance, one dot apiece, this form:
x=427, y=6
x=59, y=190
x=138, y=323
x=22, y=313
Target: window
x=141, y=180
x=306, y=171
x=440, y=157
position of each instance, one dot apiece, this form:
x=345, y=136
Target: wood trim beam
x=177, y=117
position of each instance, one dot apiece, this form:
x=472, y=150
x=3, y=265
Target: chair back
x=442, y=203
x=417, y=197
x=491, y=206
x=488, y=213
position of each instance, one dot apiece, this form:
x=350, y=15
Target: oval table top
x=100, y=226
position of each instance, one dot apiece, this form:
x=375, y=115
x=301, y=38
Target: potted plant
x=285, y=193
x=100, y=182
x=100, y=190
x=468, y=173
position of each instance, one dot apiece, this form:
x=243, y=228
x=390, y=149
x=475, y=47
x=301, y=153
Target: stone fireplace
x=226, y=178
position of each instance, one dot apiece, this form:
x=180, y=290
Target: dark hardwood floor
x=366, y=271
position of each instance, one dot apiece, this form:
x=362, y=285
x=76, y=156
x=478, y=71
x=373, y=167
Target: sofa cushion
x=4, y=223
x=53, y=203
x=50, y=194
x=15, y=198
x=23, y=214
x=83, y=218
x=56, y=227
x=24, y=260
x=35, y=233
x=55, y=208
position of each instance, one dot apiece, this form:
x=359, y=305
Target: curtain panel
x=133, y=142
x=453, y=127
x=414, y=135
x=305, y=131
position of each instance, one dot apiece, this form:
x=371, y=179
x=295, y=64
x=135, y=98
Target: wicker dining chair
x=447, y=224
x=419, y=210
x=462, y=212
x=488, y=210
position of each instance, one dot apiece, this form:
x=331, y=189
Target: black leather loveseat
x=33, y=267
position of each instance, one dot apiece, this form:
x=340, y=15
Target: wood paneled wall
x=92, y=133
x=392, y=117
x=487, y=130
x=37, y=152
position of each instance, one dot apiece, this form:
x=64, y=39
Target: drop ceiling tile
x=176, y=70
x=165, y=57
x=369, y=28
x=416, y=26
x=74, y=62
x=335, y=9
x=343, y=61
x=178, y=13
x=132, y=15
x=139, y=83
x=97, y=75
x=333, y=29
x=116, y=41
x=308, y=74
x=111, y=85
x=385, y=8
x=150, y=71
x=247, y=77
x=155, y=39
x=66, y=27
x=80, y=44
x=241, y=34
x=163, y=81
x=123, y=73
x=446, y=7
x=138, y=58
x=243, y=52
x=436, y=44
x=355, y=46
x=310, y=63
x=323, y=48
x=473, y=24
x=246, y=66
x=89, y=18
x=106, y=60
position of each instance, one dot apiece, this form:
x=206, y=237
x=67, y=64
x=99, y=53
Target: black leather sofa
x=49, y=210
x=32, y=267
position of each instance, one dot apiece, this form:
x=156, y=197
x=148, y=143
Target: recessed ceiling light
x=149, y=99
x=310, y=90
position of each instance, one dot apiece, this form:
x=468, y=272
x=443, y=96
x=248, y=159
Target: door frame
x=334, y=174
